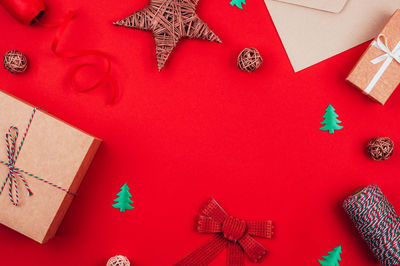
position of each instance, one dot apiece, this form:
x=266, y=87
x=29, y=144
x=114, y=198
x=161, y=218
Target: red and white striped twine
x=14, y=172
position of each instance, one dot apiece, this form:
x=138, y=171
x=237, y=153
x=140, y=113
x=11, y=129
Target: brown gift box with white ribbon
x=377, y=73
x=51, y=164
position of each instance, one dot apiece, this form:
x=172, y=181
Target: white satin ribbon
x=387, y=57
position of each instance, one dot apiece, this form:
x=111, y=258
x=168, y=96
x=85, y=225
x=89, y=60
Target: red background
x=201, y=128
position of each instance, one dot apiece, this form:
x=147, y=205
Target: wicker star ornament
x=169, y=20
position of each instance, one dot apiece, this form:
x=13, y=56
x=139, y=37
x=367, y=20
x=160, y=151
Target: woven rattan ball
x=249, y=59
x=380, y=148
x=15, y=61
x=118, y=260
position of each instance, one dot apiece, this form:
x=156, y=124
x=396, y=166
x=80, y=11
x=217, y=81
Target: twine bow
x=388, y=57
x=232, y=233
x=14, y=172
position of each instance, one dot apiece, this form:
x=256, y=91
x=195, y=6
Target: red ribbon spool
x=26, y=11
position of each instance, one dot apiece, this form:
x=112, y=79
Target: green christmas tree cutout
x=123, y=200
x=331, y=122
x=333, y=257
x=238, y=3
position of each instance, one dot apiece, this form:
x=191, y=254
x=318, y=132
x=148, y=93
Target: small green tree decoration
x=333, y=257
x=123, y=200
x=238, y=3
x=331, y=122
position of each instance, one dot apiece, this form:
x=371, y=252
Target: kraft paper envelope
x=310, y=35
x=334, y=6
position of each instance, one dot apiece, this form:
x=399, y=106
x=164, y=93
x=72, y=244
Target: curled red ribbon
x=232, y=233
x=28, y=11
x=78, y=53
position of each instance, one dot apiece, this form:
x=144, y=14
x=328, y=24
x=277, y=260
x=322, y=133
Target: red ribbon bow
x=232, y=233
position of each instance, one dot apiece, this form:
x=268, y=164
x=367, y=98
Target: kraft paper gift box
x=377, y=73
x=54, y=156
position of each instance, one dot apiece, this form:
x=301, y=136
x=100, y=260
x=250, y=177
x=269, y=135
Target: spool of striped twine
x=377, y=222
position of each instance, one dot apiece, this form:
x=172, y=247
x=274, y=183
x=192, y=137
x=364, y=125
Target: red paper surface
x=202, y=128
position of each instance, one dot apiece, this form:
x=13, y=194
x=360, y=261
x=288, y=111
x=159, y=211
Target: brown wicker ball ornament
x=249, y=60
x=118, y=260
x=380, y=148
x=15, y=61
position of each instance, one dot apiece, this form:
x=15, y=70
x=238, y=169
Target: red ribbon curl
x=28, y=11
x=78, y=53
x=232, y=233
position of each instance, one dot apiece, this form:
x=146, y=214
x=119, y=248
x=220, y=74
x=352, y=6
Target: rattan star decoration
x=169, y=20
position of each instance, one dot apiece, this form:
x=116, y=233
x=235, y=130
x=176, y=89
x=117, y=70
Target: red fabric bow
x=232, y=233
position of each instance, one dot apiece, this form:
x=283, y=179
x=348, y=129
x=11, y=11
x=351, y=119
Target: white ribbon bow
x=387, y=57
